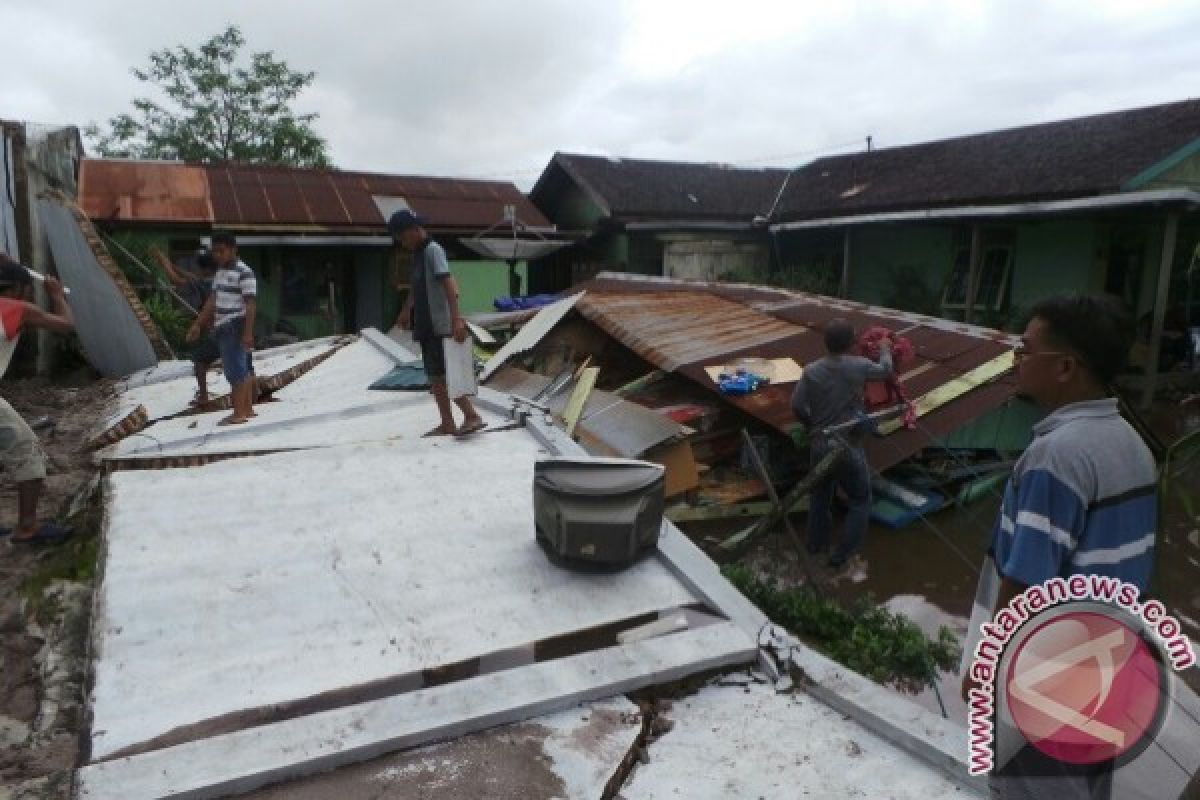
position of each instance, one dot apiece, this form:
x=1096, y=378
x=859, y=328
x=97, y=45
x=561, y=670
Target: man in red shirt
x=21, y=457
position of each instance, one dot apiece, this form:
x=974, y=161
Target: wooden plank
x=951, y=390
x=785, y=371
x=641, y=383
x=682, y=475
x=765, y=476
x=685, y=513
x=791, y=502
x=240, y=762
x=578, y=399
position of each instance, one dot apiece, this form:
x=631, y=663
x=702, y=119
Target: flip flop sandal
x=438, y=431
x=50, y=533
x=467, y=431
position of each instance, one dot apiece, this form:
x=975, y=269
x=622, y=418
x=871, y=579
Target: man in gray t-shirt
x=830, y=393
x=431, y=312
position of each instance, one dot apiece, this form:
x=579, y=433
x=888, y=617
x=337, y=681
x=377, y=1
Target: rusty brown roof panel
x=354, y=199
x=684, y=326
x=321, y=198
x=249, y=196
x=679, y=328
x=281, y=197
x=134, y=190
x=887, y=451
x=224, y=198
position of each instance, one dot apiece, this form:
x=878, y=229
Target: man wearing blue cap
x=431, y=313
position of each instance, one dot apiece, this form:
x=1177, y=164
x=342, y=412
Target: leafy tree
x=217, y=109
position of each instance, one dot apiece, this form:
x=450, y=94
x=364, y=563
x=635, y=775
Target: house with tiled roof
x=980, y=227
x=317, y=238
x=682, y=220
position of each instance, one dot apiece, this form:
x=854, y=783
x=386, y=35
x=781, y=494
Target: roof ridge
x=1006, y=131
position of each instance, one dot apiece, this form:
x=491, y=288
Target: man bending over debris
x=830, y=393
x=229, y=311
x=431, y=313
x=194, y=286
x=20, y=454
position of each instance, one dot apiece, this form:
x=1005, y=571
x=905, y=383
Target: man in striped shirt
x=230, y=310
x=1081, y=499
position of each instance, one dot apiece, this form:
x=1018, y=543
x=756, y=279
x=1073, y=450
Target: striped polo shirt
x=1081, y=500
x=231, y=286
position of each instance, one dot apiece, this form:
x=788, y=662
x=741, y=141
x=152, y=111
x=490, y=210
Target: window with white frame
x=995, y=272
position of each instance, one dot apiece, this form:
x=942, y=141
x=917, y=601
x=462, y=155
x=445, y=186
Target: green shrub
x=887, y=648
x=172, y=321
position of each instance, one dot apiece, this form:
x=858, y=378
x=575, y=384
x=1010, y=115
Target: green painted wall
x=1184, y=175
x=575, y=211
x=481, y=282
x=1057, y=256
x=901, y=266
x=1007, y=429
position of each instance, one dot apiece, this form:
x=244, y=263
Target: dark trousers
x=852, y=474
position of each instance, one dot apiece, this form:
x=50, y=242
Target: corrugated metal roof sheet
x=621, y=427
x=674, y=329
x=283, y=197
x=683, y=326
x=135, y=190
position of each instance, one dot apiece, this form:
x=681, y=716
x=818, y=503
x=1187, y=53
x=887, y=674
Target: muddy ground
x=44, y=599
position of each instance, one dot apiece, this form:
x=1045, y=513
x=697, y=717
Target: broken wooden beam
x=791, y=501
x=641, y=383
x=765, y=476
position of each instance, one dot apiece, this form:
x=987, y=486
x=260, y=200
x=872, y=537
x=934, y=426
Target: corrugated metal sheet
x=682, y=326
x=532, y=333
x=621, y=428
x=8, y=197
x=284, y=197
x=671, y=330
x=113, y=337
x=137, y=190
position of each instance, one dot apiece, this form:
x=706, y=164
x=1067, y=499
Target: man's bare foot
x=471, y=425
x=440, y=430
x=234, y=420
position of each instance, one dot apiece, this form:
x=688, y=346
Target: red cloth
x=882, y=394
x=12, y=319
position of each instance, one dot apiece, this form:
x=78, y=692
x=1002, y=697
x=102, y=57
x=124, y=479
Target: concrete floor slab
x=232, y=763
x=168, y=388
x=253, y=582
x=321, y=408
x=748, y=741
x=570, y=755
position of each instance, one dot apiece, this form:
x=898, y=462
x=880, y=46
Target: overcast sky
x=492, y=89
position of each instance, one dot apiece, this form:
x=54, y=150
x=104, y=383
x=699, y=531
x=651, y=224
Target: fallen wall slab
x=246, y=760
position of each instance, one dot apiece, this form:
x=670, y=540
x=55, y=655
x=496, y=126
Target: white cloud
x=485, y=88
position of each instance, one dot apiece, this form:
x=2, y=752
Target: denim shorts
x=433, y=354
x=235, y=358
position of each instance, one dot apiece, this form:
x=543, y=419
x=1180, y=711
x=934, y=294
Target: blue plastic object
x=740, y=382
x=523, y=303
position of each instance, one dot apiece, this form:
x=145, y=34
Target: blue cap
x=402, y=220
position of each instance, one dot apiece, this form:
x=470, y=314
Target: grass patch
x=73, y=560
x=885, y=647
